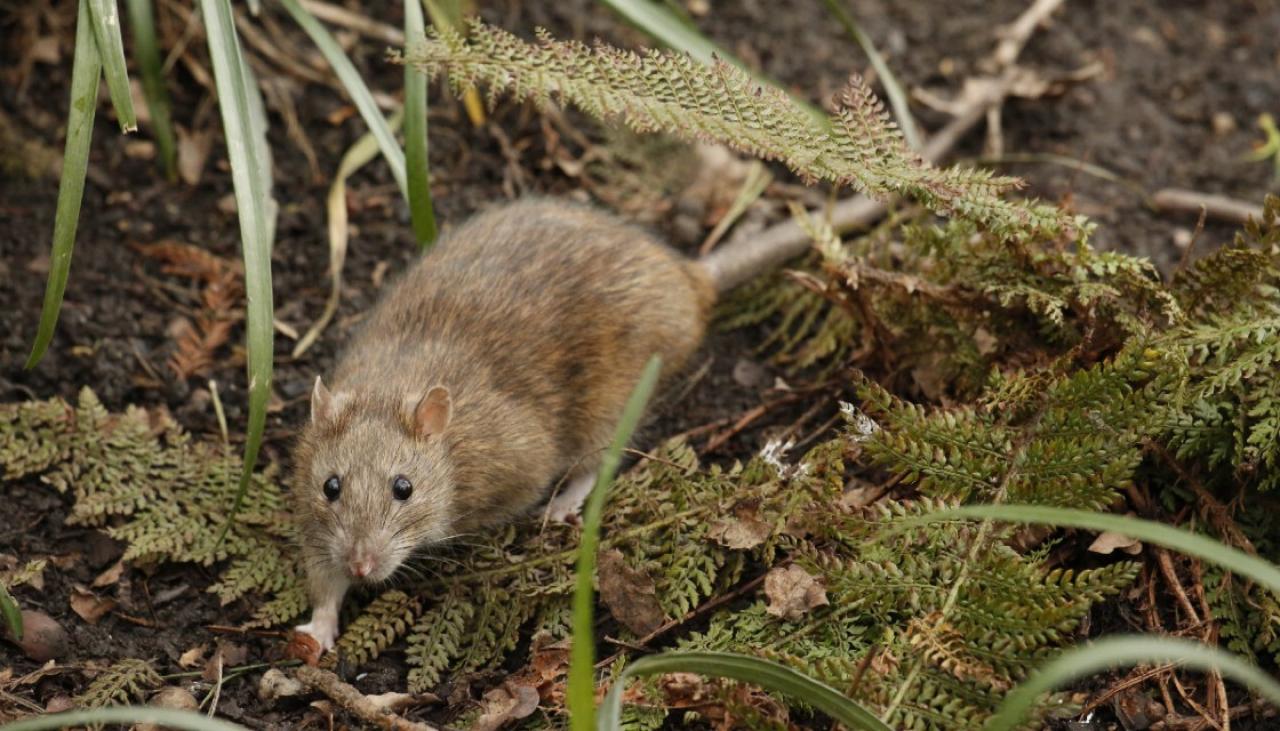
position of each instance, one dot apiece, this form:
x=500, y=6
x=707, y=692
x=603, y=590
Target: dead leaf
x=66, y=561
x=792, y=592
x=193, y=151
x=89, y=606
x=509, y=702
x=192, y=657
x=1109, y=541
x=228, y=654
x=629, y=594
x=110, y=576
x=547, y=668
x=742, y=531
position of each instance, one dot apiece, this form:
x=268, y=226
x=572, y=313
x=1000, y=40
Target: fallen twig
x=1014, y=36
x=1219, y=207
x=346, y=695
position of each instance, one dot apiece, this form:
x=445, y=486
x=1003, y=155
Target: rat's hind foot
x=568, y=502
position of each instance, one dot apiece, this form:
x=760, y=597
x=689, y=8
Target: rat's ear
x=325, y=404
x=432, y=413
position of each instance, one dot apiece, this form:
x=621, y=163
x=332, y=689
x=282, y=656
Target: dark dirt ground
x=1174, y=105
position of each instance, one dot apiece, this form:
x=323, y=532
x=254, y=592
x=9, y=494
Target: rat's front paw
x=322, y=629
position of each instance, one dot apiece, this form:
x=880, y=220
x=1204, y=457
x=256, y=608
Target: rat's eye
x=401, y=488
x=332, y=488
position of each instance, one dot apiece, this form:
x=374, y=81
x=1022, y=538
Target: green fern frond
x=671, y=93
x=382, y=622
x=125, y=682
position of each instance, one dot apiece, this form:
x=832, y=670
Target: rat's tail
x=740, y=261
x=704, y=287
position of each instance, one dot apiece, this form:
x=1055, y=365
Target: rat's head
x=372, y=480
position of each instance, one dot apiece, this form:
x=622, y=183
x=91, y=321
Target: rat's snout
x=362, y=561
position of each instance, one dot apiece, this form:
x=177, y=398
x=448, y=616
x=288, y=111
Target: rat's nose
x=361, y=563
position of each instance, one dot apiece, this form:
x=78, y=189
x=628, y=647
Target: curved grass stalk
x=581, y=692
x=356, y=87
x=250, y=175
x=142, y=20
x=758, y=671
x=86, y=70
x=356, y=157
x=106, y=30
x=184, y=720
x=417, y=166
x=1175, y=539
x=1119, y=651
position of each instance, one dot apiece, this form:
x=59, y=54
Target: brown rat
x=499, y=363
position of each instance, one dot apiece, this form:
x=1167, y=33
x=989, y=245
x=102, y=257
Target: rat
x=495, y=368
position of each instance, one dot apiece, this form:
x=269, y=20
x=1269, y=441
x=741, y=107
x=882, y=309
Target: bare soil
x=1177, y=89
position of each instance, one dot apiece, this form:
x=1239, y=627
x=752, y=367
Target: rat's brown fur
x=537, y=317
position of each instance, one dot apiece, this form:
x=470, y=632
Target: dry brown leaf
x=742, y=531
x=197, y=342
x=193, y=151
x=1108, y=542
x=192, y=657
x=89, y=606
x=504, y=704
x=110, y=576
x=792, y=592
x=629, y=594
x=228, y=654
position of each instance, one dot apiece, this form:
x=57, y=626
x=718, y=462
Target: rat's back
x=539, y=317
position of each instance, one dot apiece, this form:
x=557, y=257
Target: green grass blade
x=355, y=86
x=1176, y=539
x=11, y=614
x=658, y=22
x=143, y=22
x=1123, y=651
x=183, y=720
x=262, y=151
x=897, y=96
x=86, y=70
x=243, y=148
x=417, y=168
x=581, y=691
x=758, y=671
x=106, y=30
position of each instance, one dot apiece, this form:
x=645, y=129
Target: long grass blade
x=897, y=96
x=10, y=613
x=355, y=86
x=183, y=720
x=106, y=30
x=1123, y=651
x=86, y=70
x=243, y=148
x=581, y=691
x=356, y=157
x=417, y=168
x=658, y=22
x=758, y=671
x=143, y=22
x=1176, y=539
x=262, y=151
